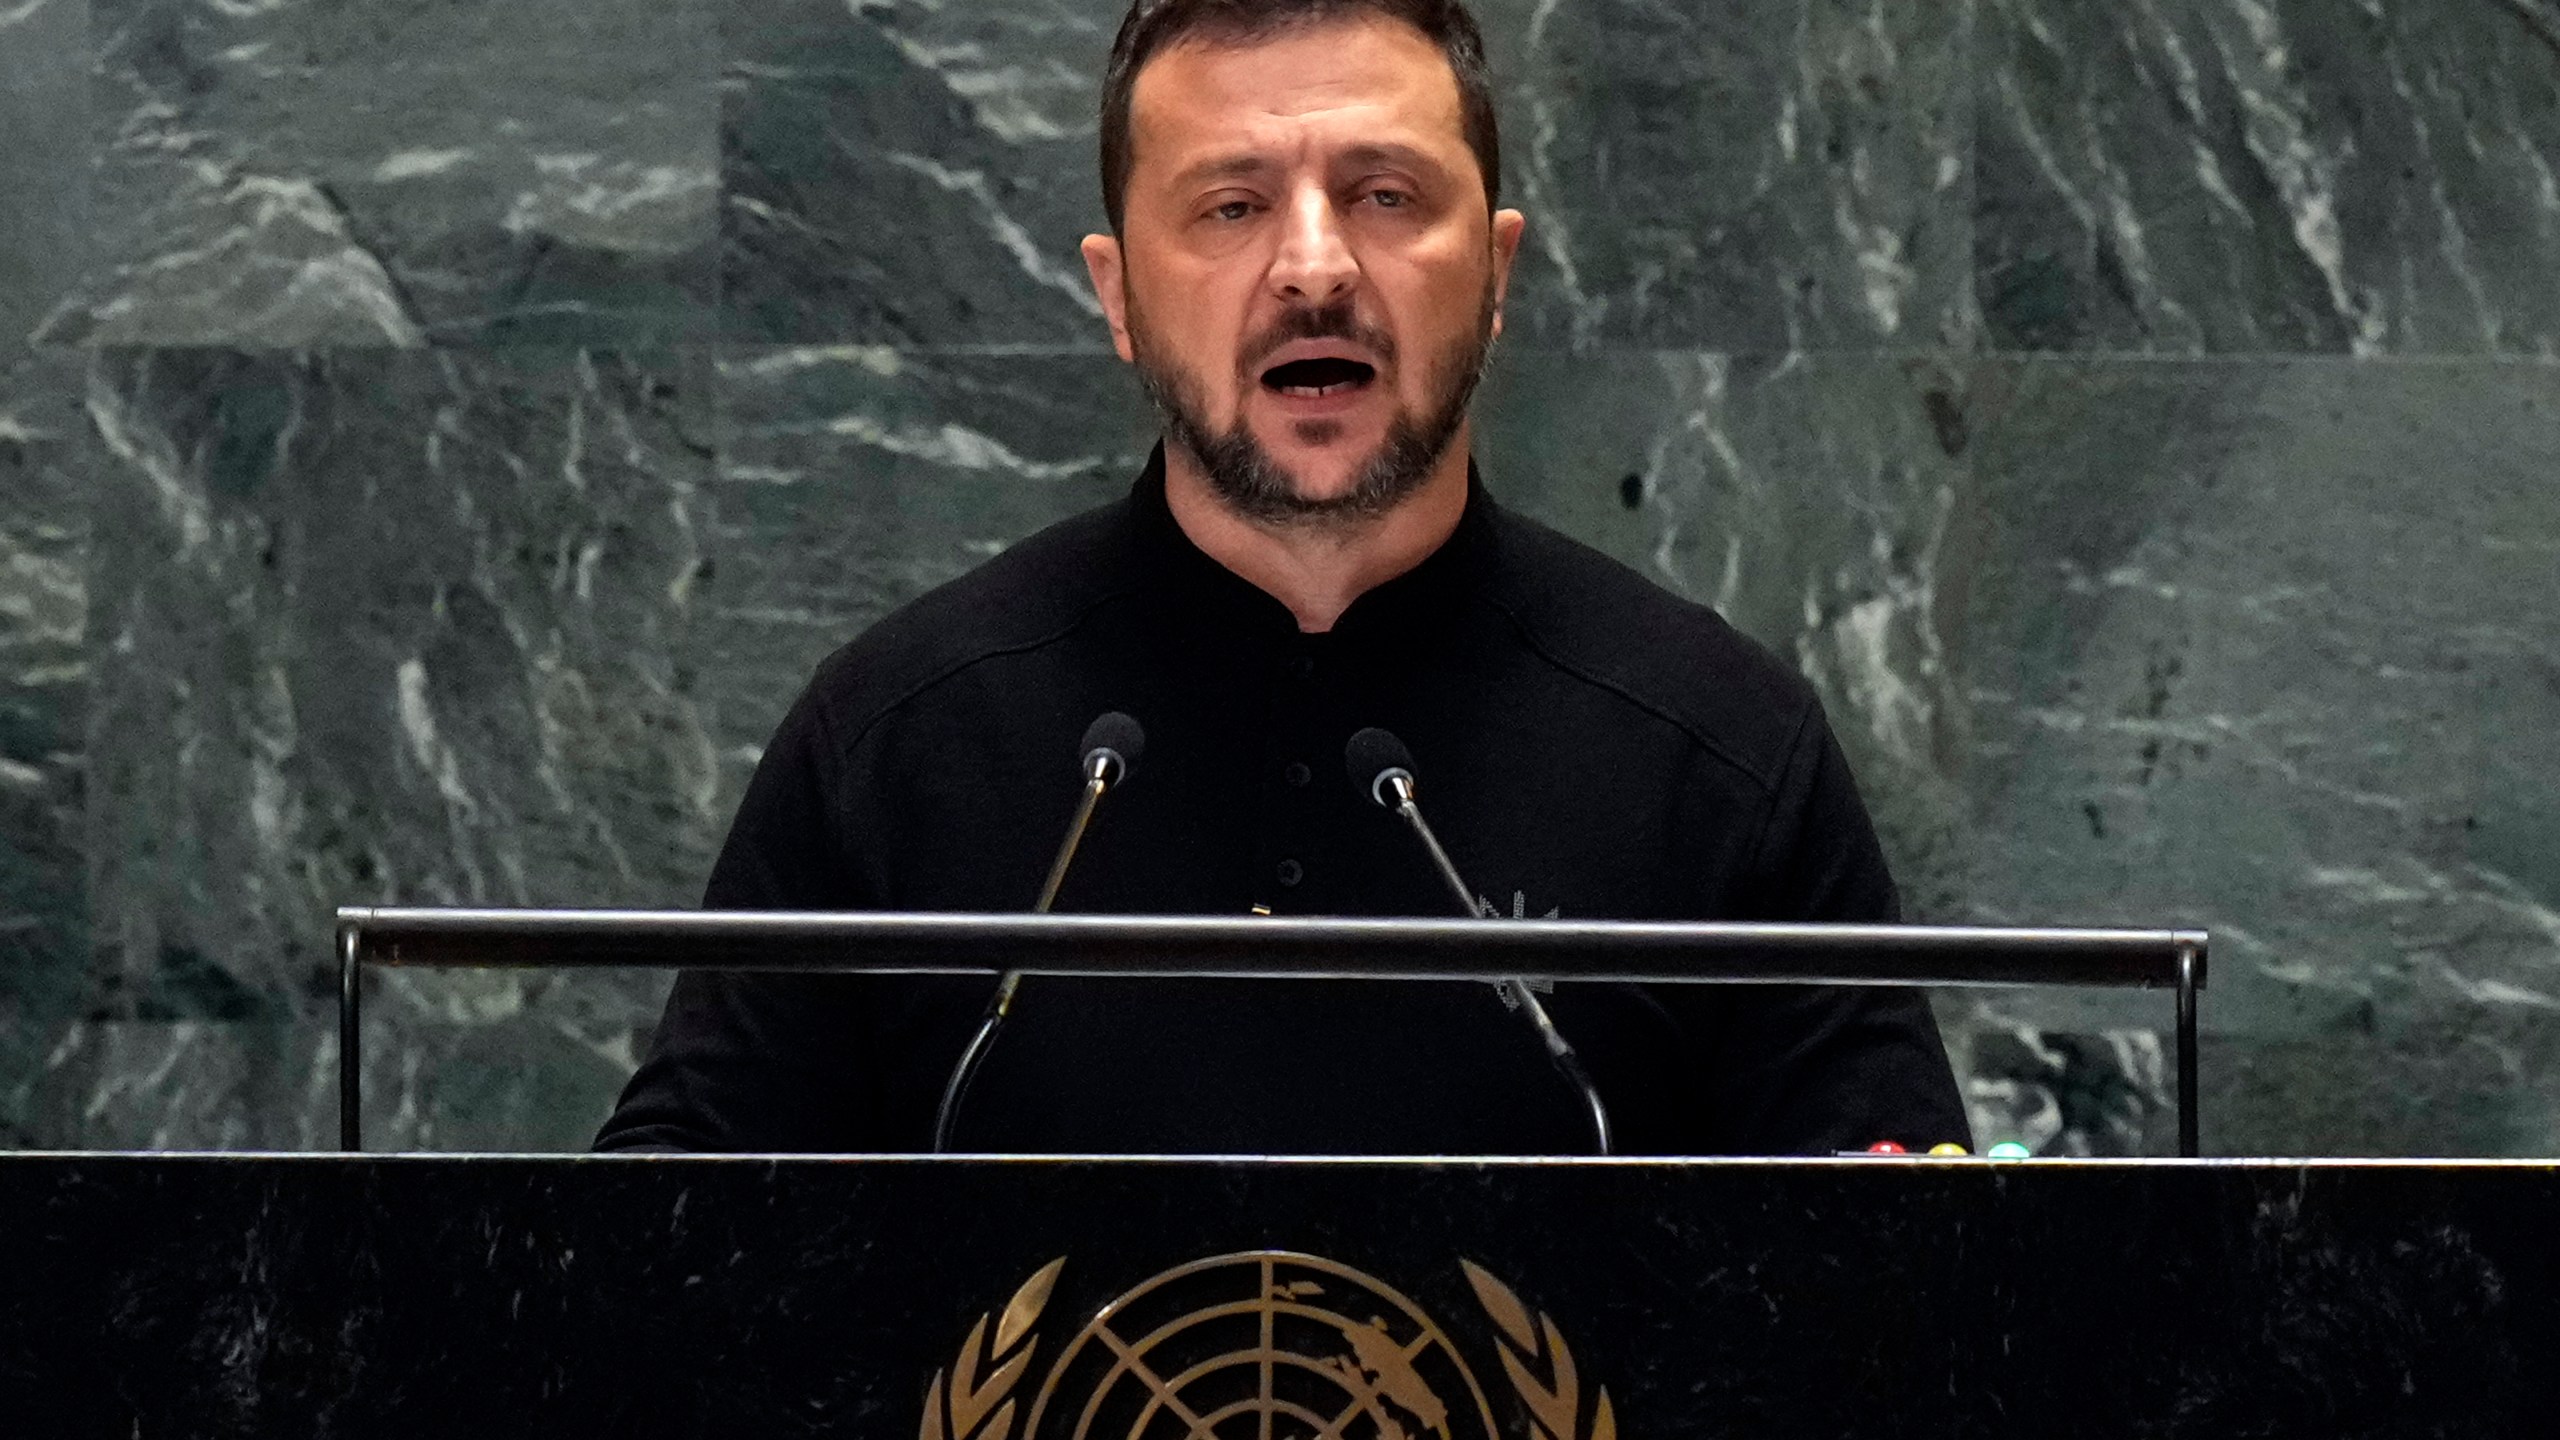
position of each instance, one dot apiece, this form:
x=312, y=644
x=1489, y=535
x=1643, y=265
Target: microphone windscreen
x=1118, y=733
x=1372, y=753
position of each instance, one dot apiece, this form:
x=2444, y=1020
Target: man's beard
x=1251, y=482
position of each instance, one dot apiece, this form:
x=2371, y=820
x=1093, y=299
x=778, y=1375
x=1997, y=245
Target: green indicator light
x=2009, y=1150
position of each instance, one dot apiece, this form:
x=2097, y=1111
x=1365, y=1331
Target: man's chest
x=1551, y=798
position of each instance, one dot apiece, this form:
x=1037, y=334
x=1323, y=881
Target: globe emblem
x=1267, y=1345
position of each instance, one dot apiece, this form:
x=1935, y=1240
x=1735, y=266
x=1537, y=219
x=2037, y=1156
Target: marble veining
x=2267, y=647
x=1742, y=178
x=2232, y=176
x=1793, y=175
x=307, y=175
x=377, y=627
x=911, y=173
x=44, y=695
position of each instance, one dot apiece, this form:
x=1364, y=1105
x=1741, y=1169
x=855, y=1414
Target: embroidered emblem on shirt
x=1519, y=908
x=1519, y=911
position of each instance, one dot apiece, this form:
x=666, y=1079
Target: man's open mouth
x=1326, y=375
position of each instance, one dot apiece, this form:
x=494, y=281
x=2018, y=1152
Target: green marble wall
x=437, y=440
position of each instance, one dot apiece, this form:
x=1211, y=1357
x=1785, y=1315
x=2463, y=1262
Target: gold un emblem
x=1263, y=1345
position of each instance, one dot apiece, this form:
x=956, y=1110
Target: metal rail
x=1645, y=952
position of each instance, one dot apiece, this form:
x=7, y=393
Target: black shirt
x=1587, y=744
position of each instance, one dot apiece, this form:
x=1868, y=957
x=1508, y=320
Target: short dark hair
x=1152, y=26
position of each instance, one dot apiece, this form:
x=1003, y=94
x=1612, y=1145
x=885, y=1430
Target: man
x=1306, y=267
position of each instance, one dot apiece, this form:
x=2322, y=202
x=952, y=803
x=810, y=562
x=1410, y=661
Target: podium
x=972, y=1299
x=1079, y=1298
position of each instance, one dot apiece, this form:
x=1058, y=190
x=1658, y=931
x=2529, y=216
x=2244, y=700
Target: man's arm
x=756, y=1062
x=1795, y=1069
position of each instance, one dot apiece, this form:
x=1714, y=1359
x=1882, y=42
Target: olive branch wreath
x=1534, y=1356
x=1552, y=1390
x=967, y=1408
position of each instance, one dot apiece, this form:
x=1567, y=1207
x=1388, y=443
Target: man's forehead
x=1367, y=81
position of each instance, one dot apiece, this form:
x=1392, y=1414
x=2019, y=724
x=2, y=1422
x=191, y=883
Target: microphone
x=1111, y=746
x=1382, y=769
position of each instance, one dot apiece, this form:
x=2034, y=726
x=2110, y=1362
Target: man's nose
x=1315, y=265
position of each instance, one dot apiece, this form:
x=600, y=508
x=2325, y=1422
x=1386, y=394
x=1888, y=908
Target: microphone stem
x=956, y=1089
x=1560, y=1050
x=1093, y=787
x=1440, y=861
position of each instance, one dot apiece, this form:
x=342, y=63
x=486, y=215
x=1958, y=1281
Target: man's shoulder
x=1035, y=593
x=1606, y=625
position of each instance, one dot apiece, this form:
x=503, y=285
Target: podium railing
x=1260, y=947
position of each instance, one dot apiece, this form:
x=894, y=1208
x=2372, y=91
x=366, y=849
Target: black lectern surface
x=996, y=1300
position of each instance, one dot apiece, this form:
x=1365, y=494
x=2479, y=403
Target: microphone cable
x=1111, y=744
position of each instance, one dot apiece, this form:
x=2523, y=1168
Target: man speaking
x=1306, y=268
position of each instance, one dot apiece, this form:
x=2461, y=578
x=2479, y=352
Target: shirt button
x=1291, y=872
x=1304, y=667
x=1298, y=774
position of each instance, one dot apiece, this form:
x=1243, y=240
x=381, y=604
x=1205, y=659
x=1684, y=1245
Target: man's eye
x=1390, y=199
x=1232, y=210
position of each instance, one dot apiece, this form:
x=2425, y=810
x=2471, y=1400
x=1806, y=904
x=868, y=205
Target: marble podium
x=976, y=1299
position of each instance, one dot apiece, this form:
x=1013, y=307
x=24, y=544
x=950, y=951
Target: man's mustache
x=1316, y=322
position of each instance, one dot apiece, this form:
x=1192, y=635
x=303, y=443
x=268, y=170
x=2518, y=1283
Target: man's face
x=1306, y=274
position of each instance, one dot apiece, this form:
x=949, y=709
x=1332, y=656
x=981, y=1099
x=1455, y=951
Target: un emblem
x=1264, y=1345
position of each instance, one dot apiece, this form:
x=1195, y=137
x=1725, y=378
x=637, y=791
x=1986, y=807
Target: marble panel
x=2270, y=648
x=1736, y=174
x=449, y=1065
x=44, y=696
x=911, y=173
x=307, y=175
x=1749, y=176
x=44, y=158
x=2350, y=176
x=380, y=628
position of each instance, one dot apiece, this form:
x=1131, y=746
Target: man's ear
x=1102, y=261
x=1507, y=225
